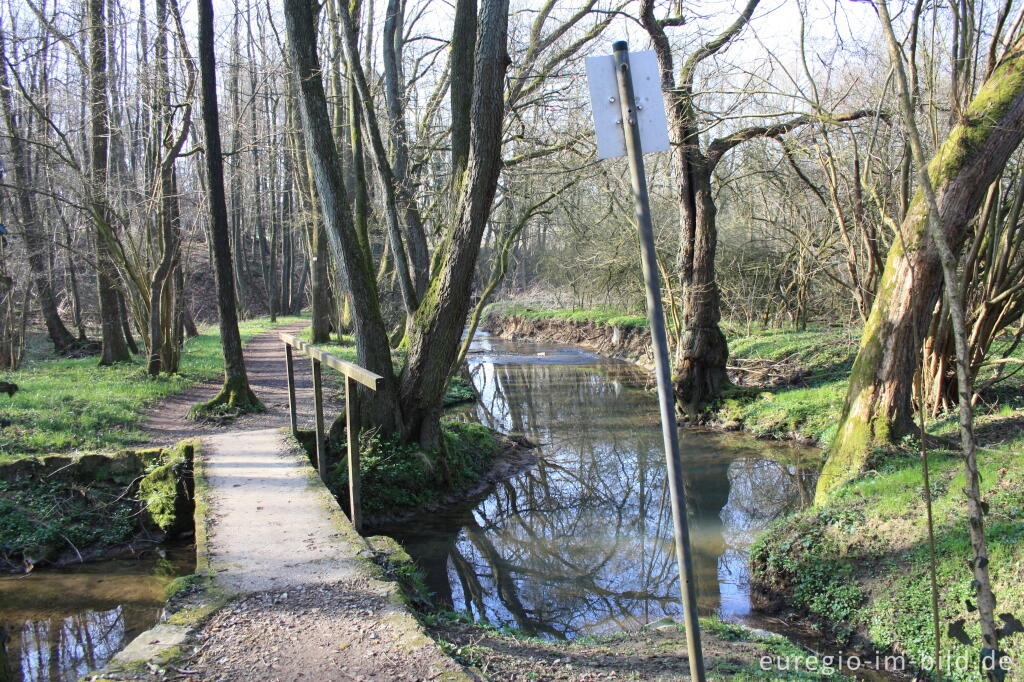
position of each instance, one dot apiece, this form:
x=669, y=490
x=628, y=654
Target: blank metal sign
x=604, y=101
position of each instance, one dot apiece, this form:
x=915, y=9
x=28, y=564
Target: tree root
x=226, y=406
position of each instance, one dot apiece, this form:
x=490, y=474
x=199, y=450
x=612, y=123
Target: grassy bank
x=606, y=315
x=74, y=405
x=860, y=561
x=793, y=382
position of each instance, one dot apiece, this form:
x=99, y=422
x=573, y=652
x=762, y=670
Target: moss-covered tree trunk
x=436, y=332
x=372, y=346
x=878, y=410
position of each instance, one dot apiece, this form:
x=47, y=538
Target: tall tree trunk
x=462, y=48
x=394, y=87
x=162, y=283
x=236, y=393
x=878, y=409
x=701, y=355
x=35, y=241
x=76, y=299
x=439, y=320
x=319, y=256
x=700, y=373
x=437, y=327
x=125, y=322
x=115, y=347
x=373, y=349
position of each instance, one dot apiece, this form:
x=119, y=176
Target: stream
x=582, y=542
x=66, y=622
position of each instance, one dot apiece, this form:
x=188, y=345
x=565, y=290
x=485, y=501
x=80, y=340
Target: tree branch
x=718, y=148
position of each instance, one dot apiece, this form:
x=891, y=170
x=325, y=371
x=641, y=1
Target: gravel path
x=307, y=607
x=326, y=632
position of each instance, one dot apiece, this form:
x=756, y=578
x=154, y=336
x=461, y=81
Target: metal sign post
x=632, y=114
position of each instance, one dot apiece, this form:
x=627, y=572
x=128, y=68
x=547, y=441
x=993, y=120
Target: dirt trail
x=306, y=606
x=264, y=362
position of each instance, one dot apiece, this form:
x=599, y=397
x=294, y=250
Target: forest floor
x=658, y=652
x=166, y=422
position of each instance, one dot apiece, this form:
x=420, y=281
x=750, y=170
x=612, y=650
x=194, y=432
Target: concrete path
x=308, y=604
x=268, y=529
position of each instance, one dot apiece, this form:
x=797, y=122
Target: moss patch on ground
x=402, y=477
x=74, y=405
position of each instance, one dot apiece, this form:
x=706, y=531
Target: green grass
x=809, y=409
x=608, y=315
x=74, y=405
x=861, y=559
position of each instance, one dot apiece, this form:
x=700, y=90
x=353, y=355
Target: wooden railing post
x=318, y=402
x=354, y=376
x=352, y=433
x=289, y=362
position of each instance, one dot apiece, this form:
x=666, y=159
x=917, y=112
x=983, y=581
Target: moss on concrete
x=60, y=508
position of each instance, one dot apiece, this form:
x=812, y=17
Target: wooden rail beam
x=360, y=374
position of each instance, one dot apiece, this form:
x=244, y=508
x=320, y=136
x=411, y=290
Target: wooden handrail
x=360, y=374
x=354, y=375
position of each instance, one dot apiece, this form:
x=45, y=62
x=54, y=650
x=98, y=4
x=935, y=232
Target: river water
x=582, y=542
x=64, y=623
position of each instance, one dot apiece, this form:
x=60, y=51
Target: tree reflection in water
x=66, y=646
x=582, y=543
x=64, y=623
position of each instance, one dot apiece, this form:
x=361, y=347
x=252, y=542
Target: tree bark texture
x=373, y=349
x=439, y=321
x=114, y=344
